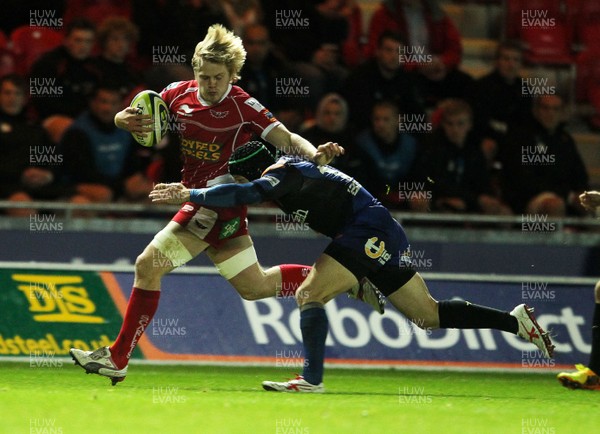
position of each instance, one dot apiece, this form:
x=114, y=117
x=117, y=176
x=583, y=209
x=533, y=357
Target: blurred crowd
x=419, y=133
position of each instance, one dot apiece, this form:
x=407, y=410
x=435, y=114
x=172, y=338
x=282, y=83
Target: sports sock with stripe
x=140, y=309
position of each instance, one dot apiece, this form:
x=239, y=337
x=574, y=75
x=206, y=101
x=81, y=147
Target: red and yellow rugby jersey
x=210, y=133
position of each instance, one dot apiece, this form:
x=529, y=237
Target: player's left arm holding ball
x=129, y=120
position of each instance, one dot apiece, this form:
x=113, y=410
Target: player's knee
x=429, y=319
x=309, y=295
x=426, y=323
x=597, y=292
x=146, y=265
x=141, y=265
x=248, y=293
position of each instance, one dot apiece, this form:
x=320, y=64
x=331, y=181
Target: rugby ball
x=148, y=102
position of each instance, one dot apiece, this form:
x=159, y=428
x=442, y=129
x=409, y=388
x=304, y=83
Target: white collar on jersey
x=206, y=104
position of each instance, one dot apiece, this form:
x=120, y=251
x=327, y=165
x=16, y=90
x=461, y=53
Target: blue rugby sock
x=314, y=325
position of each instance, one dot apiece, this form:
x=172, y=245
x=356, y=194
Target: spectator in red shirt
x=421, y=24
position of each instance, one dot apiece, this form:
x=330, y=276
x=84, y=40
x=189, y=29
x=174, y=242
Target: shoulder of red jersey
x=245, y=101
x=241, y=96
x=178, y=88
x=238, y=92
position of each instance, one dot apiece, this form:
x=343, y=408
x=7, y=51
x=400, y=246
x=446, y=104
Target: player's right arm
x=222, y=196
x=129, y=120
x=273, y=185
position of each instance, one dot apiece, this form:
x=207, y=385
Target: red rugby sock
x=292, y=276
x=140, y=309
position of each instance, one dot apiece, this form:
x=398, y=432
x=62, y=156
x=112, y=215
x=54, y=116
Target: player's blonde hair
x=221, y=46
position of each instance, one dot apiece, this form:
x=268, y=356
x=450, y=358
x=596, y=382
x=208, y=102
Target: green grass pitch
x=206, y=399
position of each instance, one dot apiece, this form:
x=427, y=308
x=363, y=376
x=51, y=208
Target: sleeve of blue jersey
x=270, y=186
x=227, y=195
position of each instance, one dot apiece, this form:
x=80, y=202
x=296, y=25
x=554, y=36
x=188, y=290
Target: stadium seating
x=3, y=40
x=8, y=62
x=97, y=11
x=547, y=45
x=28, y=43
x=585, y=18
x=56, y=126
x=514, y=10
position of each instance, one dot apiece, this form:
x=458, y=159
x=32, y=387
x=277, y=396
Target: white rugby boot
x=99, y=362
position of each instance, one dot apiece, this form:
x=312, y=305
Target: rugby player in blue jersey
x=367, y=244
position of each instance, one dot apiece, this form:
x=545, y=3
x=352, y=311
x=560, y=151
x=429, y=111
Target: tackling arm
x=227, y=195
x=266, y=188
x=222, y=196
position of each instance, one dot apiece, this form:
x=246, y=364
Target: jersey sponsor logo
x=300, y=215
x=139, y=331
x=377, y=251
x=269, y=115
x=271, y=180
x=202, y=222
x=184, y=110
x=252, y=102
x=218, y=115
x=353, y=185
x=187, y=208
x=200, y=225
x=229, y=228
x=173, y=85
x=201, y=150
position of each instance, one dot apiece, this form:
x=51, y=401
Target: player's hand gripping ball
x=148, y=102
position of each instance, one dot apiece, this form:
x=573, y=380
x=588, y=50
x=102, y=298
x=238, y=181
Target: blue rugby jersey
x=321, y=196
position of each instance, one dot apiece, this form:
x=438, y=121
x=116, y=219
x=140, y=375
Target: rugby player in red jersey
x=214, y=117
